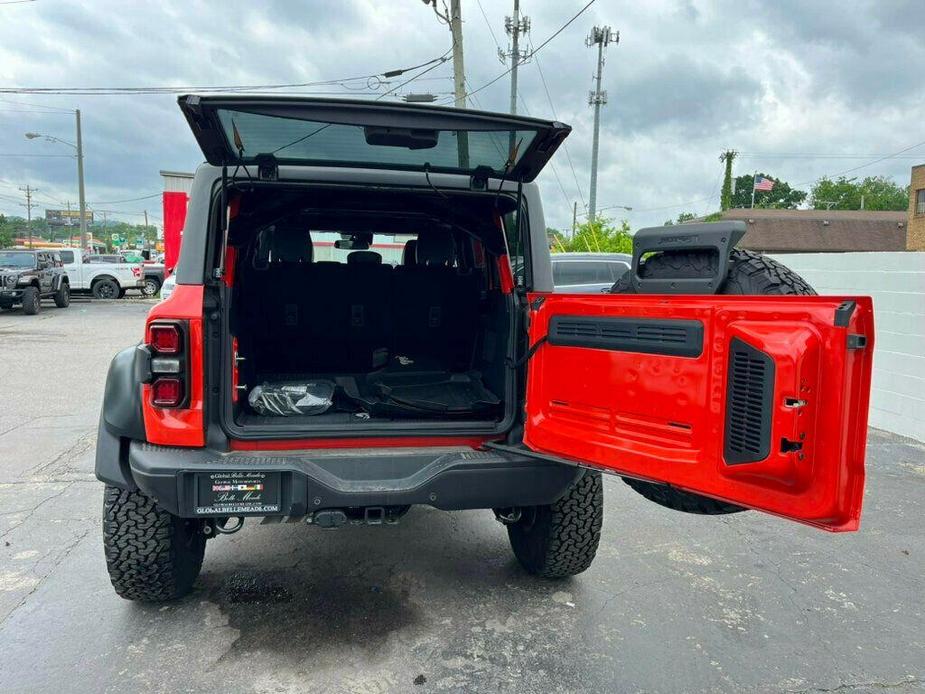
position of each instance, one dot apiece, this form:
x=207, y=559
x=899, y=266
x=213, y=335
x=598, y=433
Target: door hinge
x=857, y=341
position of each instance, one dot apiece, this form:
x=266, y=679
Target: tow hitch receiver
x=330, y=518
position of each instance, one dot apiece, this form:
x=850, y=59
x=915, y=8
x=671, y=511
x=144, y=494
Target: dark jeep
x=364, y=319
x=27, y=277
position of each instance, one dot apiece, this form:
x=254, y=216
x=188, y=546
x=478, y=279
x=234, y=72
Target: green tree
x=6, y=232
x=599, y=235
x=782, y=196
x=878, y=192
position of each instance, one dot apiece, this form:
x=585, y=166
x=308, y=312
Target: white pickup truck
x=103, y=280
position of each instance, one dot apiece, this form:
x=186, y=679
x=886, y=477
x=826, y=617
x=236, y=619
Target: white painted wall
x=896, y=281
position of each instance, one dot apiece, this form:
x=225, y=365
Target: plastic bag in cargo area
x=291, y=398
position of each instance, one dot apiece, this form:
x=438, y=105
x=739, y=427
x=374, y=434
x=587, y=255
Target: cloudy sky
x=801, y=88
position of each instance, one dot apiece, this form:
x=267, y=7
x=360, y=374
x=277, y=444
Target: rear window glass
x=315, y=141
x=389, y=247
x=567, y=272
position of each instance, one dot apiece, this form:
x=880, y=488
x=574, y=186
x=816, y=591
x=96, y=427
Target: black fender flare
x=121, y=418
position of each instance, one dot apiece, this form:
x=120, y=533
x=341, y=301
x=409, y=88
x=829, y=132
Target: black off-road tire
x=31, y=301
x=152, y=555
x=63, y=295
x=749, y=274
x=560, y=539
x=105, y=289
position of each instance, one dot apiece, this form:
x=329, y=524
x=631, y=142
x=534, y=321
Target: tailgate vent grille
x=749, y=399
x=575, y=329
x=671, y=337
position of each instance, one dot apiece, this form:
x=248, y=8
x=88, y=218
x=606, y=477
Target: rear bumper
x=447, y=478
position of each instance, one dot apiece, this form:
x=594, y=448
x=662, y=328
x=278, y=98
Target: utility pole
x=459, y=68
x=515, y=26
x=28, y=190
x=80, y=185
x=454, y=20
x=600, y=37
x=727, y=157
x=144, y=240
x=574, y=218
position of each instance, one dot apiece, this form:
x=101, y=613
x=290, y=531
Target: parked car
x=272, y=385
x=588, y=272
x=153, y=272
x=27, y=277
x=169, y=285
x=101, y=279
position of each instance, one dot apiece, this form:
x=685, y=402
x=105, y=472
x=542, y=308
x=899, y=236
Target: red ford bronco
x=364, y=319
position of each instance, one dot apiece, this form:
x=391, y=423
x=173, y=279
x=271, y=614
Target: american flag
x=762, y=183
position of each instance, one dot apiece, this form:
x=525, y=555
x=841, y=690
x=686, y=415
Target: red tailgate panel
x=662, y=418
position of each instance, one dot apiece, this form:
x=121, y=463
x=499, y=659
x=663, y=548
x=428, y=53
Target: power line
x=537, y=49
x=862, y=166
x=439, y=61
x=117, y=202
x=568, y=156
x=812, y=155
x=111, y=91
x=488, y=24
x=793, y=185
x=551, y=163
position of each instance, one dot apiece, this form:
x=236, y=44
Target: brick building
x=821, y=231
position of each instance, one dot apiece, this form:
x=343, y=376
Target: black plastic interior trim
x=671, y=337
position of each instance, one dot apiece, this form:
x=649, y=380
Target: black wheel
x=151, y=555
x=63, y=295
x=151, y=287
x=750, y=274
x=31, y=301
x=561, y=539
x=105, y=289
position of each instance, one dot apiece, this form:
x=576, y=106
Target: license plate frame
x=237, y=492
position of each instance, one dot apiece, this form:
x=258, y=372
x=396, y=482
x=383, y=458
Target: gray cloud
x=688, y=78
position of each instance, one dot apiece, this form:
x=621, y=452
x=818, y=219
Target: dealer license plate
x=237, y=492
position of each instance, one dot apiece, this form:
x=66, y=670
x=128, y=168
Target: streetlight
x=80, y=174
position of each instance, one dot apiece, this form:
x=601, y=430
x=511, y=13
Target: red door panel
x=758, y=401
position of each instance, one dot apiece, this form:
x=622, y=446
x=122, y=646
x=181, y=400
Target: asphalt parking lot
x=673, y=603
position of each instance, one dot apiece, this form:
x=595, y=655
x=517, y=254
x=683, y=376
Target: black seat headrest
x=409, y=253
x=364, y=258
x=435, y=248
x=290, y=245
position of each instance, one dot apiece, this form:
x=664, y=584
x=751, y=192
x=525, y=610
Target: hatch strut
x=219, y=272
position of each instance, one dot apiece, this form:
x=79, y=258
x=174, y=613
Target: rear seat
x=366, y=289
x=279, y=291
x=330, y=317
x=434, y=309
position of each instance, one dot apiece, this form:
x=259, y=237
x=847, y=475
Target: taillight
x=169, y=362
x=166, y=392
x=164, y=338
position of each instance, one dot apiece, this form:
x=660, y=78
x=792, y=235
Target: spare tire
x=749, y=274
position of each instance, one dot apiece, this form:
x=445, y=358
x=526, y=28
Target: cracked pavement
x=740, y=603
